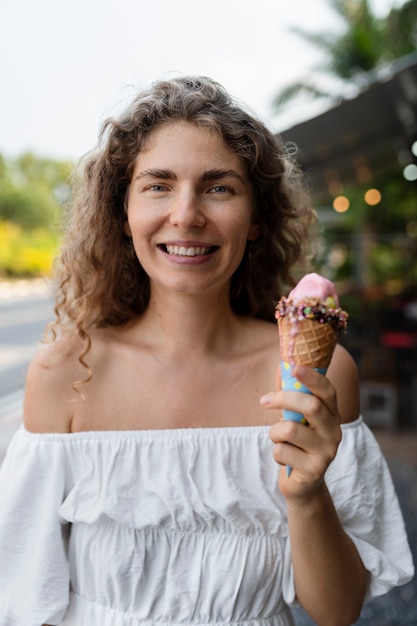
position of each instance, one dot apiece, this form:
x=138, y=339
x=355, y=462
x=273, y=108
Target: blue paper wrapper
x=290, y=383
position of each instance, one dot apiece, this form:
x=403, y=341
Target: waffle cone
x=312, y=344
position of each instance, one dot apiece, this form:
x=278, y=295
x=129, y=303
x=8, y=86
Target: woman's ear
x=254, y=232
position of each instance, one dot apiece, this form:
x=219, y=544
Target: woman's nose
x=187, y=211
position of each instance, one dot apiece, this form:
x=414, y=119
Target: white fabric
x=176, y=526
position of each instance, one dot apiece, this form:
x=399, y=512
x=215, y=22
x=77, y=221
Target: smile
x=188, y=250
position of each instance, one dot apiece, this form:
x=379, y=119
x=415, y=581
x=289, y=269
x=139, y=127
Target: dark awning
x=370, y=134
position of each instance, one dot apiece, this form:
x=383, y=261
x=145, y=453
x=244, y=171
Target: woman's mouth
x=188, y=251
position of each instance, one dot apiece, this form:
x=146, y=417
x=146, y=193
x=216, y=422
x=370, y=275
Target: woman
x=146, y=484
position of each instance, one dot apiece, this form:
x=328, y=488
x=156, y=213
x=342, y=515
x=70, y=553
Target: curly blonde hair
x=101, y=281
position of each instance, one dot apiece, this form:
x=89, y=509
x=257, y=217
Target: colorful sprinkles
x=313, y=309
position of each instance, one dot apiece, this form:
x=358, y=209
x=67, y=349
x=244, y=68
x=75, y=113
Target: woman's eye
x=220, y=189
x=157, y=187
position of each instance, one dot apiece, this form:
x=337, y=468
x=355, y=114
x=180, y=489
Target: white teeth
x=183, y=251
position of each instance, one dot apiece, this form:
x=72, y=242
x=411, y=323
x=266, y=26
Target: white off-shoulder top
x=178, y=527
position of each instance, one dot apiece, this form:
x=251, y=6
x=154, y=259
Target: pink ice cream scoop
x=315, y=286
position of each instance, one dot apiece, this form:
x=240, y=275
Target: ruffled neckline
x=175, y=433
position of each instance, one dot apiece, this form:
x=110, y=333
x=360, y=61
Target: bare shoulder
x=49, y=396
x=343, y=373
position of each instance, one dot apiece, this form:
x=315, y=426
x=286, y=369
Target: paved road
x=25, y=309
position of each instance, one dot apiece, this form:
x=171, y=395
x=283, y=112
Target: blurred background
x=336, y=78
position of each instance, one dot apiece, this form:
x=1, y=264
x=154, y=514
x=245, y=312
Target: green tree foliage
x=363, y=44
x=400, y=29
x=32, y=190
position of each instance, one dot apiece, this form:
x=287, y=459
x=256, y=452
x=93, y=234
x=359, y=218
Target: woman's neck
x=198, y=322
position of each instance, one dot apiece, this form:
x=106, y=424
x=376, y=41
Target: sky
x=67, y=66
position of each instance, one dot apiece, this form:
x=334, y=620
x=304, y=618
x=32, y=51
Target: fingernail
x=266, y=399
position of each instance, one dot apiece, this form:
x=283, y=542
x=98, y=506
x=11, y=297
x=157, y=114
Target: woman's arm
x=329, y=576
x=330, y=579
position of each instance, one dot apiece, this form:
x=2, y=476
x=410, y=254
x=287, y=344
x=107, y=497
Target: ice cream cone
x=309, y=323
x=306, y=342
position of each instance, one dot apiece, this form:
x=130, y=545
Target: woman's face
x=189, y=209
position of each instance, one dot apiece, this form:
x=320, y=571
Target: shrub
x=26, y=252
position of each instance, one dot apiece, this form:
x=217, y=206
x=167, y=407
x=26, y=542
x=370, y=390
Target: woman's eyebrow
x=157, y=173
x=209, y=175
x=218, y=174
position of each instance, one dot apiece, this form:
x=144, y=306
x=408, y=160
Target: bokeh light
x=341, y=204
x=373, y=197
x=410, y=172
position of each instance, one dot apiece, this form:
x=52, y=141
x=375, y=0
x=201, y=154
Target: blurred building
x=370, y=134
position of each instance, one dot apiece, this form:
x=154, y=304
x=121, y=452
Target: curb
x=10, y=290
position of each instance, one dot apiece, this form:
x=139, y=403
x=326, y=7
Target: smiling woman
x=190, y=207
x=148, y=483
